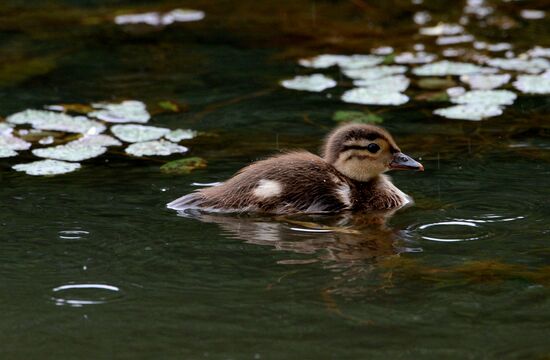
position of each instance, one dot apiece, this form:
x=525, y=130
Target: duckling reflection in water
x=349, y=177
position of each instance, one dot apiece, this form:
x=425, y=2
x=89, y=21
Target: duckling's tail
x=189, y=201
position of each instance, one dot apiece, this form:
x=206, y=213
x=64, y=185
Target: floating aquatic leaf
x=73, y=151
x=97, y=140
x=150, y=148
x=538, y=51
x=344, y=61
x=485, y=97
x=183, y=166
x=444, y=67
x=373, y=96
x=383, y=50
x=532, y=66
x=455, y=91
x=47, y=120
x=180, y=134
x=125, y=112
x=171, y=106
x=533, y=84
x=499, y=47
x=473, y=112
x=314, y=82
x=6, y=153
x=486, y=82
x=415, y=58
x=532, y=14
x=157, y=19
x=422, y=17
x=442, y=29
x=450, y=52
x=8, y=141
x=356, y=117
x=138, y=133
x=77, y=108
x=450, y=40
x=47, y=167
x=5, y=128
x=391, y=83
x=374, y=72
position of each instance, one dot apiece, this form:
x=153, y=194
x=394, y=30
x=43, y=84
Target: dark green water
x=464, y=273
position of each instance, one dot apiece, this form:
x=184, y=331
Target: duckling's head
x=362, y=152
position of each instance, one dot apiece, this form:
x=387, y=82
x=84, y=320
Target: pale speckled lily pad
x=314, y=82
x=442, y=29
x=180, y=134
x=533, y=84
x=486, y=82
x=530, y=14
x=444, y=67
x=415, y=58
x=538, y=51
x=5, y=128
x=138, y=133
x=157, y=19
x=374, y=96
x=344, y=61
x=472, y=112
x=450, y=40
x=125, y=112
x=70, y=152
x=486, y=97
x=6, y=153
x=532, y=66
x=155, y=148
x=375, y=72
x=47, y=167
x=397, y=83
x=382, y=50
x=47, y=120
x=97, y=140
x=8, y=141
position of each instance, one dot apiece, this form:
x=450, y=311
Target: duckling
x=348, y=177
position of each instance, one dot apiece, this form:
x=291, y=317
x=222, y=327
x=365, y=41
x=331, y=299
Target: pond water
x=94, y=266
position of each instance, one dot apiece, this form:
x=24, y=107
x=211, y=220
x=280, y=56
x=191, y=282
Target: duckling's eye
x=373, y=148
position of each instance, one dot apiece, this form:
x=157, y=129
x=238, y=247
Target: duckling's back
x=288, y=183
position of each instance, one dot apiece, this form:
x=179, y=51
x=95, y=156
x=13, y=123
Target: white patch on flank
x=343, y=192
x=267, y=188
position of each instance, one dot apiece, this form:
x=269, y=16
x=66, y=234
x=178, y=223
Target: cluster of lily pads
x=90, y=140
x=383, y=76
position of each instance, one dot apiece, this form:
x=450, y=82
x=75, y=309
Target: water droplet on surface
x=452, y=231
x=78, y=295
x=72, y=234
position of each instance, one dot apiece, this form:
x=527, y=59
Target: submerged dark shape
x=349, y=176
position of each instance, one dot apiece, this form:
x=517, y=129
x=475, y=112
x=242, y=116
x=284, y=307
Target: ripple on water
x=72, y=234
x=452, y=231
x=78, y=295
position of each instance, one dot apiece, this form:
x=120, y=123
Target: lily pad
x=485, y=82
x=435, y=83
x=182, y=15
x=183, y=166
x=314, y=82
x=344, y=61
x=442, y=29
x=375, y=72
x=125, y=112
x=450, y=40
x=138, y=133
x=472, y=112
x=445, y=67
x=5, y=128
x=532, y=66
x=374, y=96
x=415, y=58
x=47, y=120
x=6, y=153
x=485, y=97
x=538, y=51
x=8, y=141
x=391, y=83
x=158, y=148
x=97, y=140
x=180, y=134
x=356, y=117
x=70, y=152
x=532, y=14
x=533, y=84
x=158, y=19
x=47, y=167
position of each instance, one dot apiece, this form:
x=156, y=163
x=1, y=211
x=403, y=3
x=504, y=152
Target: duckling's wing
x=189, y=201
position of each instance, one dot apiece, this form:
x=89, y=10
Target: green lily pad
x=183, y=166
x=357, y=117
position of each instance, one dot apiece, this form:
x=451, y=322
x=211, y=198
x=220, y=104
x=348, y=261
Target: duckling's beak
x=401, y=161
